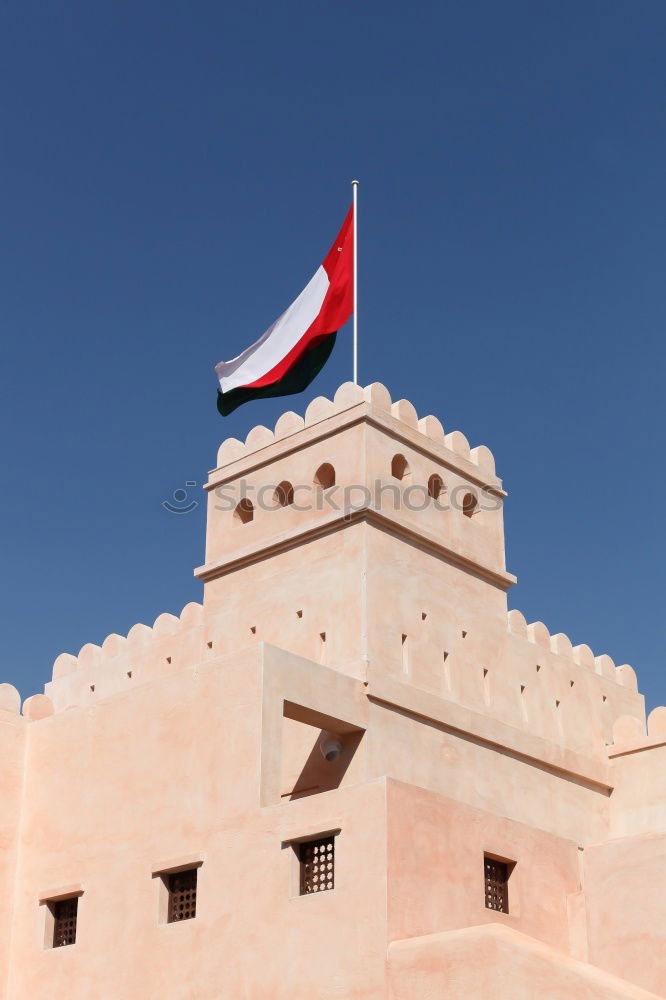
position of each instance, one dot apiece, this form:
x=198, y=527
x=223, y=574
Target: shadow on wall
x=322, y=775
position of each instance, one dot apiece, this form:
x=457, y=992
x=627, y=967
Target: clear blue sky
x=171, y=176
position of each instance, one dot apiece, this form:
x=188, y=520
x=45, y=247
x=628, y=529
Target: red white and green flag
x=293, y=350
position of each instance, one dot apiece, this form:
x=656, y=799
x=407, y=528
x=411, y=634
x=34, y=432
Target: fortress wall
x=12, y=752
x=625, y=891
x=499, y=667
x=639, y=779
x=170, y=773
x=444, y=630
x=489, y=669
x=122, y=663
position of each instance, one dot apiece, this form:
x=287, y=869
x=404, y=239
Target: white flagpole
x=355, y=203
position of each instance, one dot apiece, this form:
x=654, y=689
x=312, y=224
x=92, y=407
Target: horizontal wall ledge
x=61, y=892
x=179, y=864
x=491, y=732
x=313, y=831
x=624, y=750
x=337, y=521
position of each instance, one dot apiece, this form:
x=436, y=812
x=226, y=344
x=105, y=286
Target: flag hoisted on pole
x=294, y=349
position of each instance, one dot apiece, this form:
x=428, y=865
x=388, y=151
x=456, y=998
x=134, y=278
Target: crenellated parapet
x=122, y=662
x=375, y=396
x=631, y=734
x=34, y=708
x=581, y=655
x=576, y=695
x=519, y=675
x=506, y=671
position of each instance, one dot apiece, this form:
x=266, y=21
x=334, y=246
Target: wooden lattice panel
x=64, y=921
x=317, y=859
x=496, y=874
x=182, y=895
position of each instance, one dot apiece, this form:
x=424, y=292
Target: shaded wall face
x=409, y=500
x=171, y=772
x=304, y=769
x=307, y=599
x=436, y=876
x=639, y=794
x=418, y=608
x=625, y=891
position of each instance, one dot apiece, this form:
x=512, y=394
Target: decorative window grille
x=182, y=895
x=64, y=921
x=496, y=875
x=317, y=863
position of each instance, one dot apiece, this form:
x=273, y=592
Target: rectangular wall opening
x=182, y=888
x=62, y=916
x=496, y=875
x=178, y=890
x=315, y=760
x=317, y=865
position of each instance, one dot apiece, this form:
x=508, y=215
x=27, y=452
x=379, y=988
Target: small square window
x=182, y=888
x=317, y=865
x=496, y=877
x=64, y=912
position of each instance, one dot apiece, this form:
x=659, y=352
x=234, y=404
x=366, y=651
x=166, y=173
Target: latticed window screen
x=64, y=921
x=182, y=895
x=496, y=875
x=317, y=858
